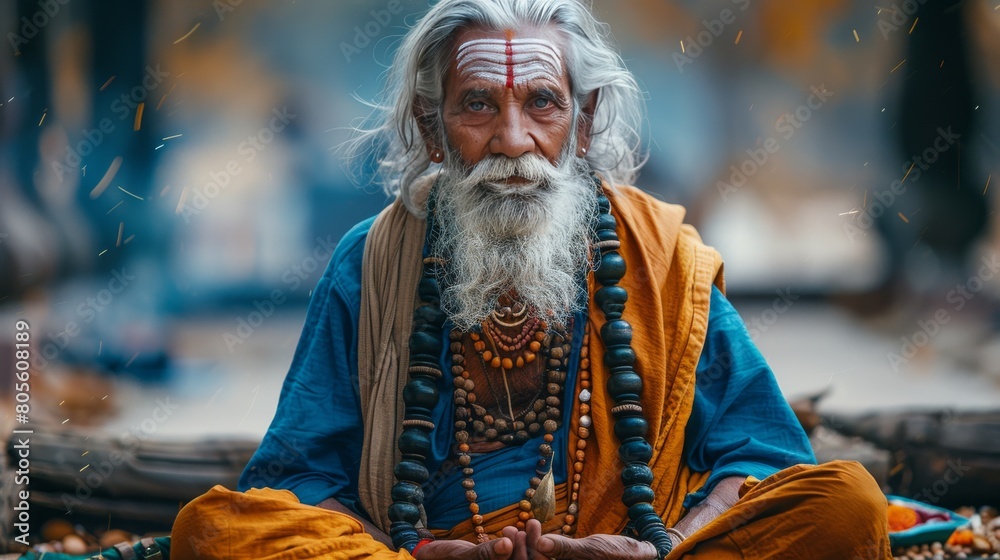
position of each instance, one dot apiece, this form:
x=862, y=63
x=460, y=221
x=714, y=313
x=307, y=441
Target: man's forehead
x=510, y=57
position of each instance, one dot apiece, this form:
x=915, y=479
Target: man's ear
x=427, y=123
x=585, y=120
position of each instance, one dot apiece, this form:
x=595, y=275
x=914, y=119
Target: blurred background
x=171, y=190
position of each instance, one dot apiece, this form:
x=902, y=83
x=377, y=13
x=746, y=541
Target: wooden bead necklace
x=582, y=432
x=473, y=422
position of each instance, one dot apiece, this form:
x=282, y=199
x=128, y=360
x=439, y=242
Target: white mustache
x=498, y=169
x=492, y=174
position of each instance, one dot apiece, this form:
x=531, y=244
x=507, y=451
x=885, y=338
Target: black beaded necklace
x=420, y=394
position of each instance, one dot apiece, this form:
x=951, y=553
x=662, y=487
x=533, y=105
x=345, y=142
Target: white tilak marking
x=529, y=59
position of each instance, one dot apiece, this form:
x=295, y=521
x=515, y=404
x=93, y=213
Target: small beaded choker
x=516, y=427
x=420, y=396
x=533, y=330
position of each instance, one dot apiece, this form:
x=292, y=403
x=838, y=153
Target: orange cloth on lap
x=269, y=525
x=805, y=511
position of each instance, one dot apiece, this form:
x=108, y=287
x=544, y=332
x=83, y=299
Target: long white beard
x=529, y=239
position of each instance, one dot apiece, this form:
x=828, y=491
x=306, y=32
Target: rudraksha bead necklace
x=473, y=421
x=420, y=395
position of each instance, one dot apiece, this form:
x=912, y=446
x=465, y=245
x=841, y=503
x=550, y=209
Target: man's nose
x=511, y=137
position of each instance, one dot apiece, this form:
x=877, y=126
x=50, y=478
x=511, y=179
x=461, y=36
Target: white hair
x=415, y=86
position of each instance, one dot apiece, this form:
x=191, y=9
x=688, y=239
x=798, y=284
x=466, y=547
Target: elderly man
x=522, y=357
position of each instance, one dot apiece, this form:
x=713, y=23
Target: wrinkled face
x=515, y=202
x=507, y=93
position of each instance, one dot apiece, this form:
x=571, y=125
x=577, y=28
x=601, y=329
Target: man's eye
x=541, y=103
x=477, y=106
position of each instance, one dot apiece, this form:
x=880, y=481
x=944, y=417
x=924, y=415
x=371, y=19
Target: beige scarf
x=390, y=271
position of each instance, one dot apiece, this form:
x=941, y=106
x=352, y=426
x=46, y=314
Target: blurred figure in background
x=944, y=203
x=78, y=143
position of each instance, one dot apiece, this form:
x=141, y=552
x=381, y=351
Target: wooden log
x=943, y=458
x=84, y=464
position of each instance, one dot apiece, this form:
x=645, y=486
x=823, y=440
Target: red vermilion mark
x=510, y=59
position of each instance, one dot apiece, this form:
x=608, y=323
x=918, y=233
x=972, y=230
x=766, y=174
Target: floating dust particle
x=164, y=98
x=897, y=66
x=60, y=404
x=904, y=218
x=164, y=190
x=172, y=137
x=158, y=147
x=907, y=172
x=66, y=420
x=134, y=356
x=738, y=35
x=106, y=180
x=113, y=208
x=912, y=26
x=188, y=34
x=941, y=65
x=100, y=345
x=107, y=83
x=987, y=183
x=256, y=390
x=183, y=199
x=104, y=397
x=138, y=116
x=856, y=38
x=130, y=194
x=682, y=46
x=102, y=252
x=848, y=213
x=84, y=454
x=121, y=230
x=130, y=238
x=44, y=113
x=85, y=467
